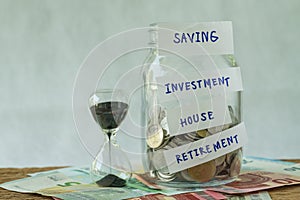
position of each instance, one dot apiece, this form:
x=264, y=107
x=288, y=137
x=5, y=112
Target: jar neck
x=153, y=40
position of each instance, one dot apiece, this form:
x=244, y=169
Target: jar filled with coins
x=192, y=105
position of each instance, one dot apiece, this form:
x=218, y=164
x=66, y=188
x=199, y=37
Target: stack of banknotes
x=257, y=176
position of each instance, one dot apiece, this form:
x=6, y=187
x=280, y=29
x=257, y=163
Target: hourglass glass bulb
x=111, y=160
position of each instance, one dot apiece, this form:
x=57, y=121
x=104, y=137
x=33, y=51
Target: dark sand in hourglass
x=111, y=180
x=109, y=115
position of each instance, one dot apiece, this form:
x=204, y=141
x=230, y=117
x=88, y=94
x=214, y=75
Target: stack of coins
x=224, y=167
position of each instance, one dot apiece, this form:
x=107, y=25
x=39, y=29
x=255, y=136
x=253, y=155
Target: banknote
x=205, y=195
x=163, y=189
x=69, y=171
x=91, y=192
x=75, y=182
x=137, y=182
x=33, y=184
x=253, y=196
x=255, y=181
x=270, y=165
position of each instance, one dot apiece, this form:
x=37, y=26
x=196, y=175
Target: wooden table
x=9, y=174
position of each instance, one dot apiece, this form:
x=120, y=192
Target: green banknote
x=270, y=165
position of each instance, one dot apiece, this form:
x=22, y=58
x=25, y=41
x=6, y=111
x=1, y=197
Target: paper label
x=208, y=38
x=196, y=114
x=206, y=149
x=173, y=85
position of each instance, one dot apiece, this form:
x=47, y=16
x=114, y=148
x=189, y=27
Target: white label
x=205, y=83
x=207, y=149
x=210, y=38
x=192, y=114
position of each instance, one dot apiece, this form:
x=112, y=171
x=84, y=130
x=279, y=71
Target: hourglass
x=111, y=166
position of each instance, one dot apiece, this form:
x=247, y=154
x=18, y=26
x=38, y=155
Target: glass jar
x=192, y=109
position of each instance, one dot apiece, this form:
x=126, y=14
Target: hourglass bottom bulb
x=103, y=171
x=111, y=165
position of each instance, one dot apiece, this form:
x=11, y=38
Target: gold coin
x=184, y=176
x=203, y=172
x=202, y=133
x=220, y=160
x=155, y=136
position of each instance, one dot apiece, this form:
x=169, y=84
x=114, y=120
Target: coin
x=203, y=172
x=222, y=174
x=193, y=136
x=165, y=177
x=220, y=160
x=164, y=122
x=235, y=166
x=202, y=133
x=155, y=136
x=232, y=116
x=184, y=176
x=172, y=144
x=180, y=140
x=152, y=174
x=222, y=169
x=217, y=129
x=231, y=155
x=158, y=161
x=166, y=141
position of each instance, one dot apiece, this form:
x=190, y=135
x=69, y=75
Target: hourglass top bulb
x=109, y=115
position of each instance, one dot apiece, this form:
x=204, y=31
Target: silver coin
x=180, y=140
x=152, y=174
x=165, y=177
x=232, y=116
x=158, y=161
x=193, y=136
x=222, y=169
x=165, y=144
x=235, y=166
x=217, y=129
x=155, y=136
x=222, y=175
x=164, y=122
x=229, y=157
x=172, y=144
